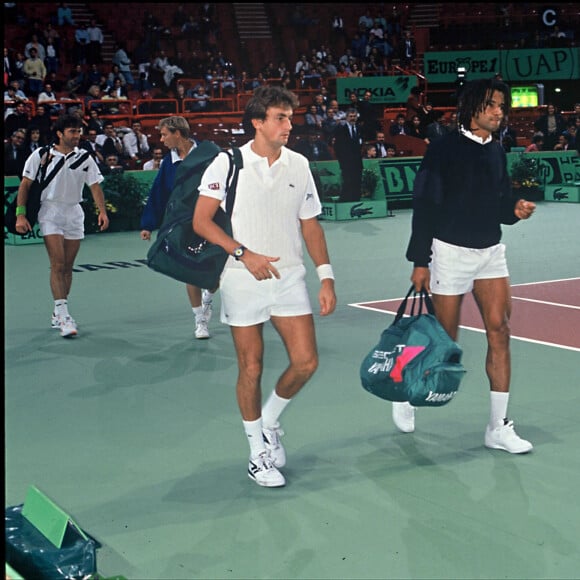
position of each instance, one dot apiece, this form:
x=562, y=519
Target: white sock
x=255, y=437
x=61, y=308
x=198, y=311
x=273, y=408
x=499, y=404
x=207, y=297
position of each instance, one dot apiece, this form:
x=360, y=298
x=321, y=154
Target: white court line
x=546, y=302
x=545, y=282
x=480, y=330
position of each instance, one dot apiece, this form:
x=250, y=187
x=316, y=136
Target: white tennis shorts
x=454, y=268
x=246, y=301
x=62, y=219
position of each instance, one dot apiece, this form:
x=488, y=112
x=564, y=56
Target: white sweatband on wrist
x=325, y=271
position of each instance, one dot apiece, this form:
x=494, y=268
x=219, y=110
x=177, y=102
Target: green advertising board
x=533, y=65
x=384, y=89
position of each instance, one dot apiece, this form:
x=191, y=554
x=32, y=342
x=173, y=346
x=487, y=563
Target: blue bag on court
x=415, y=359
x=178, y=252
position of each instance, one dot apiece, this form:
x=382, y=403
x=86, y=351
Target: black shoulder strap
x=236, y=163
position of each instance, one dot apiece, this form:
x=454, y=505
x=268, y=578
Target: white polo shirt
x=67, y=186
x=270, y=202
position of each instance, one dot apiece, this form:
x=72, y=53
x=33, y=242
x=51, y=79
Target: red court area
x=542, y=312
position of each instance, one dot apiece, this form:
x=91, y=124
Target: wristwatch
x=239, y=252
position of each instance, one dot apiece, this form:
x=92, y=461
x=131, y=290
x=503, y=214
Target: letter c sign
x=549, y=17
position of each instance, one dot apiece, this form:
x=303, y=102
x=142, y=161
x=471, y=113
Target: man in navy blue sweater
x=175, y=135
x=462, y=195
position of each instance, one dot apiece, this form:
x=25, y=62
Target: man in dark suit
x=313, y=147
x=14, y=154
x=347, y=147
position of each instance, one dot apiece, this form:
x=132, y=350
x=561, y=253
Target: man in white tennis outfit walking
x=276, y=208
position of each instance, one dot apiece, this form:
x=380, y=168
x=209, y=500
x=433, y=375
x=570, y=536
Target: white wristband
x=325, y=271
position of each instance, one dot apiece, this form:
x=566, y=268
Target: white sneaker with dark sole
x=262, y=470
x=503, y=436
x=274, y=445
x=54, y=322
x=404, y=417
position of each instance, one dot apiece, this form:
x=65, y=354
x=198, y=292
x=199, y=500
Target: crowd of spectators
x=37, y=88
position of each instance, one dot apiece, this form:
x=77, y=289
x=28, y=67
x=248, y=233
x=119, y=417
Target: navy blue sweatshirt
x=462, y=194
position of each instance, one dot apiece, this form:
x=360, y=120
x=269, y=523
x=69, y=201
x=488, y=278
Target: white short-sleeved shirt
x=67, y=186
x=270, y=202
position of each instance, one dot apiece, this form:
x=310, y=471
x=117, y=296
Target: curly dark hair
x=263, y=98
x=475, y=96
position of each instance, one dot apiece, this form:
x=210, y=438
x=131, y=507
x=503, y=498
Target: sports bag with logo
x=178, y=252
x=415, y=359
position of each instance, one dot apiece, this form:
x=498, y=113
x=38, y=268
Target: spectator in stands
x=506, y=135
x=380, y=145
x=313, y=147
x=391, y=150
x=398, y=127
x=370, y=151
x=202, y=100
x=64, y=15
x=37, y=45
x=17, y=71
x=14, y=154
x=414, y=128
x=337, y=29
x=329, y=125
x=118, y=90
x=13, y=95
x=42, y=120
x=135, y=143
x=35, y=72
x=347, y=148
x=76, y=82
x=302, y=64
x=50, y=32
x=552, y=125
x=81, y=43
x=452, y=123
x=93, y=75
x=414, y=105
x=112, y=165
x=89, y=143
x=115, y=73
x=49, y=96
x=537, y=144
x=435, y=130
x=155, y=162
x=571, y=132
x=339, y=114
x=109, y=141
x=95, y=123
x=122, y=60
x=52, y=57
x=563, y=143
x=164, y=69
x=369, y=115
x=408, y=51
x=96, y=39
x=33, y=140
x=94, y=94
x=365, y=22
x=358, y=45
x=19, y=119
x=313, y=119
